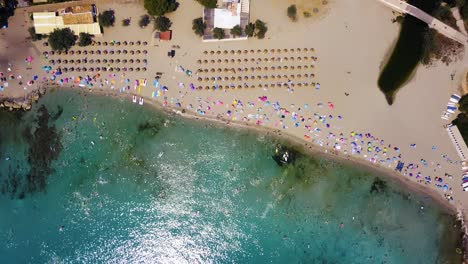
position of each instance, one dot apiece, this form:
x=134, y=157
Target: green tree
x=34, y=36
x=250, y=29
x=144, y=21
x=236, y=31
x=199, y=26
x=208, y=3
x=261, y=29
x=463, y=104
x=107, y=18
x=160, y=7
x=61, y=39
x=292, y=12
x=85, y=39
x=162, y=23
x=218, y=33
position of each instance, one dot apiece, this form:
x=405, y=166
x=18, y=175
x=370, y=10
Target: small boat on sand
x=134, y=99
x=140, y=102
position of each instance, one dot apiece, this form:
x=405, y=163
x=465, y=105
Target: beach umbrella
x=212, y=61
x=306, y=50
x=205, y=52
x=144, y=69
x=292, y=67
x=138, y=69
x=137, y=51
x=84, y=69
x=145, y=52
x=132, y=52
x=306, y=67
x=124, y=51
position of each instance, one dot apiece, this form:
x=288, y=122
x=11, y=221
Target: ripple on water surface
x=134, y=185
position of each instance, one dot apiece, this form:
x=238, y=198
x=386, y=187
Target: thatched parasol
x=205, y=70
x=239, y=60
x=131, y=43
x=298, y=50
x=145, y=52
x=145, y=43
x=252, y=59
x=212, y=78
x=124, y=61
x=138, y=51
x=205, y=52
x=306, y=66
x=138, y=69
x=71, y=69
x=144, y=69
x=239, y=51
x=124, y=51
x=137, y=61
x=226, y=78
x=285, y=59
x=292, y=67
x=65, y=69
x=212, y=61
x=212, y=70
x=78, y=61
x=233, y=60
x=246, y=60
x=265, y=51
x=225, y=52
x=219, y=70
x=104, y=61
x=212, y=52
x=105, y=52
x=218, y=52
x=259, y=51
x=207, y=79
x=233, y=78
x=245, y=51
x=219, y=61
x=306, y=50
x=226, y=61
x=232, y=51
x=292, y=76
x=205, y=61
x=132, y=52
x=111, y=61
x=273, y=68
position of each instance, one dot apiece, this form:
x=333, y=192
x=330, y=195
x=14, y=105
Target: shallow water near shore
x=124, y=183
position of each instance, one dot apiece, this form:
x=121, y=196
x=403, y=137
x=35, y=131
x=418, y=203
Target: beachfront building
x=80, y=19
x=229, y=14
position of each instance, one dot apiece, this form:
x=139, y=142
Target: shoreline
x=306, y=148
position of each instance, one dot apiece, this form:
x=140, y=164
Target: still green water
x=108, y=181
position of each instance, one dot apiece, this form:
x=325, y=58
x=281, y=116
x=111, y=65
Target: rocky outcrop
x=23, y=103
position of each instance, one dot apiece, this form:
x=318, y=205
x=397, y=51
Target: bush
x=34, y=36
x=199, y=26
x=144, y=21
x=218, y=33
x=260, y=28
x=464, y=11
x=85, y=39
x=208, y=3
x=162, y=23
x=61, y=39
x=236, y=31
x=250, y=29
x=107, y=18
x=160, y=7
x=292, y=12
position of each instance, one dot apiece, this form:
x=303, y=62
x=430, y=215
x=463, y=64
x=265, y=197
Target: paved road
x=434, y=23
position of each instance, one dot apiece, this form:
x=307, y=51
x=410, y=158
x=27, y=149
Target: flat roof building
x=230, y=13
x=80, y=19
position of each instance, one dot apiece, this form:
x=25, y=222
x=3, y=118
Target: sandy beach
x=338, y=103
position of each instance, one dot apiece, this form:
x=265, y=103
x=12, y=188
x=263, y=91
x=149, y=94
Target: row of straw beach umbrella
x=97, y=61
x=256, y=77
x=99, y=69
x=254, y=69
x=241, y=86
x=95, y=52
x=246, y=60
x=264, y=51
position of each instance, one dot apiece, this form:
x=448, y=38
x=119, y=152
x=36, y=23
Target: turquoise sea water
x=106, y=181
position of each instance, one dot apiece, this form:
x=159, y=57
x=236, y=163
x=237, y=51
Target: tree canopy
x=107, y=18
x=236, y=31
x=250, y=29
x=218, y=33
x=462, y=119
x=292, y=12
x=162, y=23
x=160, y=7
x=33, y=34
x=85, y=39
x=199, y=26
x=61, y=39
x=260, y=28
x=144, y=21
x=208, y=3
